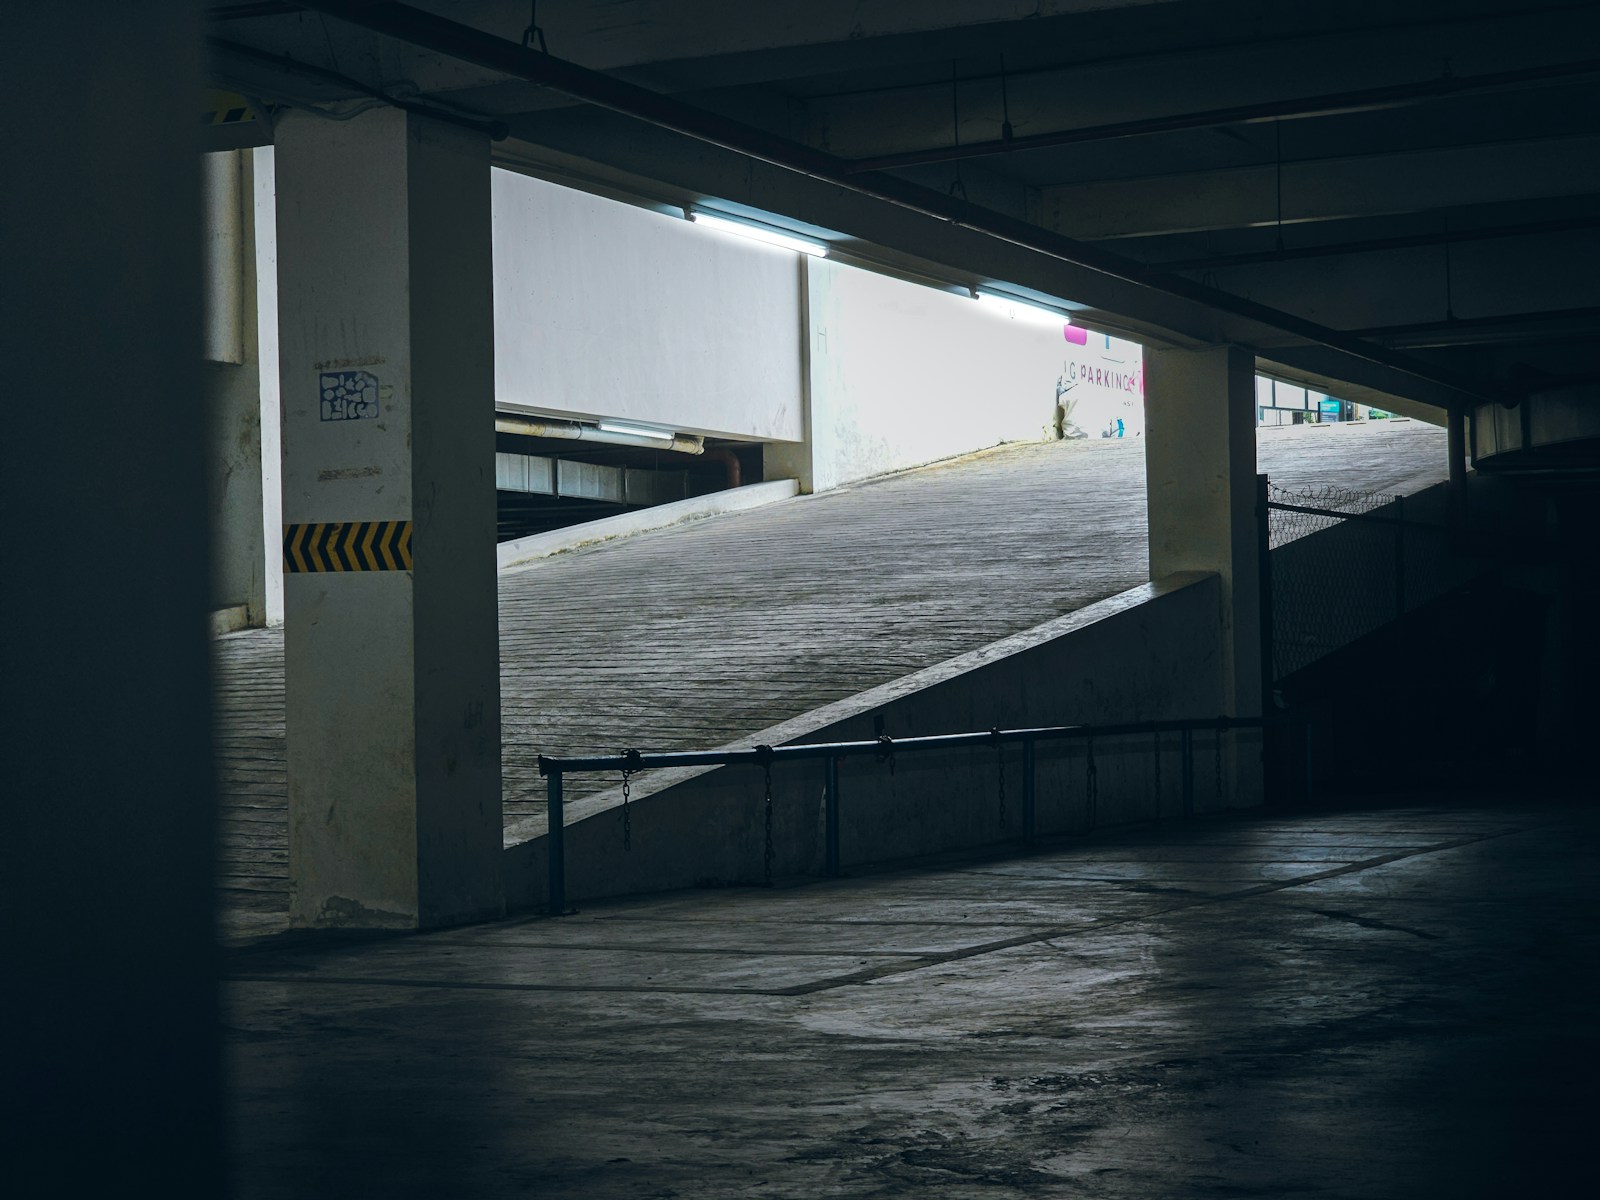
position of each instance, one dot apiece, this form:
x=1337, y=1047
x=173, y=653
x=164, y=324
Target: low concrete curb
x=557, y=541
x=229, y=620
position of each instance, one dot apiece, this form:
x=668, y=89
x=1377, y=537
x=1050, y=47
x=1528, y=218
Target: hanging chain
x=885, y=752
x=1000, y=764
x=533, y=30
x=627, y=819
x=1091, y=786
x=957, y=187
x=1005, y=104
x=766, y=771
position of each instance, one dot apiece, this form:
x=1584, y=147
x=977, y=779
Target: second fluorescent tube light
x=1021, y=309
x=760, y=233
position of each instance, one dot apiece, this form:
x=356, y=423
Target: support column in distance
x=1200, y=472
x=391, y=628
x=233, y=392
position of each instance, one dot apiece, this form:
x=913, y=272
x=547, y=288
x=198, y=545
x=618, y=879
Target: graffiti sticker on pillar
x=349, y=395
x=347, y=546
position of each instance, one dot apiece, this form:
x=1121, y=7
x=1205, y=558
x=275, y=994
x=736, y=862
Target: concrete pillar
x=798, y=460
x=391, y=640
x=233, y=392
x=1200, y=471
x=108, y=1018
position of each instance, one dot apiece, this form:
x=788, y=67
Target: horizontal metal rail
x=632, y=760
x=883, y=747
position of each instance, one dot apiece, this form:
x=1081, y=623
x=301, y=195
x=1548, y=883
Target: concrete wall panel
x=902, y=374
x=607, y=310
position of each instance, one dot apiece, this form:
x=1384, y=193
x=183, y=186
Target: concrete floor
x=692, y=636
x=1394, y=1002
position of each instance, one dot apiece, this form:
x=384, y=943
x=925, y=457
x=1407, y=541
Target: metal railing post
x=1270, y=739
x=1309, y=784
x=830, y=812
x=1188, y=772
x=556, y=842
x=1399, y=557
x=1027, y=789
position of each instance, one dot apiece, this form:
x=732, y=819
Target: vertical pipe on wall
x=830, y=805
x=1028, y=789
x=556, y=843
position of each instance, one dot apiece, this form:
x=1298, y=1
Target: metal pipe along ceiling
x=573, y=431
x=467, y=44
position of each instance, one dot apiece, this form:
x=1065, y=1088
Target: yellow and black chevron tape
x=347, y=546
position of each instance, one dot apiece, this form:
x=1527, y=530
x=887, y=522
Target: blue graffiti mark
x=348, y=395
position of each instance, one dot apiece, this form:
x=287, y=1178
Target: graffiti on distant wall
x=1100, y=390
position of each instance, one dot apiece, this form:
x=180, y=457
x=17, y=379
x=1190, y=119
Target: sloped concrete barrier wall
x=1150, y=653
x=1340, y=583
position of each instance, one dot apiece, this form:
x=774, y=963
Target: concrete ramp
x=688, y=637
x=714, y=631
x=1150, y=653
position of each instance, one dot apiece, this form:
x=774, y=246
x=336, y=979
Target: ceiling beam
x=1101, y=272
x=1418, y=285
x=1126, y=84
x=1440, y=237
x=1324, y=190
x=1326, y=104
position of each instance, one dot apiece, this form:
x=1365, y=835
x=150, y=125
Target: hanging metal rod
x=1328, y=104
x=467, y=44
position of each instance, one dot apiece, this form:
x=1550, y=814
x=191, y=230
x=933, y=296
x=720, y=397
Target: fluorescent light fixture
x=1022, y=310
x=760, y=233
x=633, y=430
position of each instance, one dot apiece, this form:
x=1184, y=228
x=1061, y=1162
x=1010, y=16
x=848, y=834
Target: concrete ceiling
x=1424, y=176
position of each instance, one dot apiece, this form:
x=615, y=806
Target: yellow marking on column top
x=297, y=534
x=352, y=535
x=331, y=546
x=317, y=563
x=366, y=545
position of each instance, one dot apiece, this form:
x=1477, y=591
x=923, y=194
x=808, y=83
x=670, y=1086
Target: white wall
x=607, y=310
x=902, y=374
x=232, y=382
x=266, y=252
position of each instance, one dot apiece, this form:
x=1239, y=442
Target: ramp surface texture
x=694, y=635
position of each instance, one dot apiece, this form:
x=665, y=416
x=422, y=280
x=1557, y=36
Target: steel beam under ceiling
x=465, y=43
x=1328, y=104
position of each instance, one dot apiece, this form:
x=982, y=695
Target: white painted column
x=387, y=378
x=233, y=392
x=266, y=224
x=1200, y=479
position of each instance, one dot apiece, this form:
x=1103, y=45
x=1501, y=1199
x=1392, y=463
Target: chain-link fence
x=1372, y=559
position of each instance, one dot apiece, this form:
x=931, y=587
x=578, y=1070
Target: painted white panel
x=604, y=310
x=266, y=252
x=903, y=374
